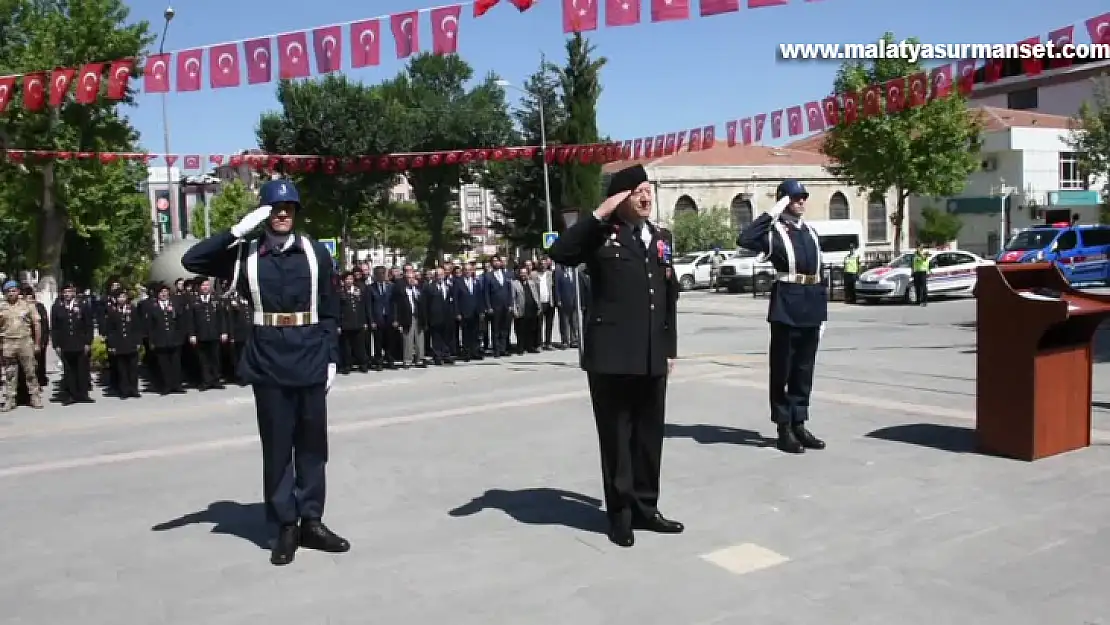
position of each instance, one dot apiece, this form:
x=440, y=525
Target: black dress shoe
x=807, y=439
x=788, y=442
x=285, y=547
x=659, y=524
x=620, y=534
x=316, y=535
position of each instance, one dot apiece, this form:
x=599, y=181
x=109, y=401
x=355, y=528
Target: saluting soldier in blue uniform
x=797, y=311
x=290, y=358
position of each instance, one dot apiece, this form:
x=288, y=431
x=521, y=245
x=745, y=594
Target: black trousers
x=125, y=369
x=793, y=353
x=353, y=345
x=293, y=430
x=40, y=368
x=527, y=333
x=850, y=288
x=469, y=329
x=547, y=317
x=75, y=375
x=921, y=286
x=168, y=363
x=440, y=338
x=629, y=412
x=208, y=363
x=385, y=350
x=501, y=328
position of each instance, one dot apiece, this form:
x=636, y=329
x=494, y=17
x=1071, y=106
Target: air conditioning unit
x=989, y=164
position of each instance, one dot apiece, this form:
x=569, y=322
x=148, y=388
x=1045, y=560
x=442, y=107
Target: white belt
x=284, y=320
x=800, y=278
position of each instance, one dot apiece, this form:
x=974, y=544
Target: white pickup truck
x=837, y=236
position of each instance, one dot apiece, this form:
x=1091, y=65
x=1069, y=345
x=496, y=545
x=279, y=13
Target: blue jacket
x=799, y=305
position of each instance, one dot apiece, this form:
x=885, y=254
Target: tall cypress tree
x=581, y=86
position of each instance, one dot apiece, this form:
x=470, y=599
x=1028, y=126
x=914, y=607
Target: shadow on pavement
x=943, y=437
x=717, y=435
x=541, y=506
x=246, y=521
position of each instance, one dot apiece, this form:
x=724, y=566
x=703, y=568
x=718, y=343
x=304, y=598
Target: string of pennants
x=890, y=97
x=308, y=163
x=584, y=15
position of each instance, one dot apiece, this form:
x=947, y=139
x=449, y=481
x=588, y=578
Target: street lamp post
x=168, y=15
x=1003, y=193
x=543, y=146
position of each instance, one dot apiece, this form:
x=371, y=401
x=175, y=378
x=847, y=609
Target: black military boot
x=285, y=547
x=806, y=438
x=316, y=535
x=788, y=441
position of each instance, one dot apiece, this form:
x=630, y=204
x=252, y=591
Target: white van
x=836, y=236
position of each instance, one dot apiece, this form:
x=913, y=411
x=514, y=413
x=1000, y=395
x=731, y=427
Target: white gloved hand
x=821, y=333
x=331, y=375
x=779, y=206
x=254, y=219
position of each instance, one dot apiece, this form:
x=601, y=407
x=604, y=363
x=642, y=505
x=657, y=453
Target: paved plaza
x=470, y=495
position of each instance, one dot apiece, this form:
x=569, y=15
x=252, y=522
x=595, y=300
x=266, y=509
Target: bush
x=937, y=227
x=98, y=354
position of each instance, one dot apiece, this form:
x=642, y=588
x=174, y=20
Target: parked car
x=836, y=236
x=951, y=273
x=693, y=269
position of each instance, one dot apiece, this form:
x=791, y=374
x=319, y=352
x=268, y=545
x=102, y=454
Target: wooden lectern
x=1034, y=335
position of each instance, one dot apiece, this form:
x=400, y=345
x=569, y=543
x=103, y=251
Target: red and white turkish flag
x=671, y=145
x=873, y=101
x=708, y=137
x=851, y=107
x=1032, y=65
x=794, y=121
x=731, y=128
x=659, y=145
x=119, y=79
x=992, y=70
x=746, y=131
x=327, y=43
x=192, y=161
x=637, y=148
x=1099, y=28
x=60, y=80
x=579, y=16
x=941, y=80
x=293, y=56
x=223, y=66
x=718, y=7
x=895, y=95
x=649, y=145
x=760, y=122
x=259, y=56
x=366, y=44
x=670, y=10
x=7, y=88
x=626, y=151
x=815, y=116
x=695, y=139
x=830, y=109
x=1059, y=37
x=679, y=141
x=406, y=33
x=918, y=89
x=759, y=4
x=966, y=71
x=622, y=12
x=156, y=75
x=189, y=69
x=776, y=124
x=34, y=91
x=445, y=29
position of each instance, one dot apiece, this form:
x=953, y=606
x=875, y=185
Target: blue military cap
x=276, y=191
x=10, y=284
x=791, y=188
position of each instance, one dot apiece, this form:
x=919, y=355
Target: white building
x=743, y=179
x=1054, y=91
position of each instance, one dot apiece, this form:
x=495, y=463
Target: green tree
x=1090, y=137
x=442, y=113
x=695, y=231
x=225, y=210
x=59, y=199
x=581, y=85
x=928, y=150
x=937, y=227
x=519, y=185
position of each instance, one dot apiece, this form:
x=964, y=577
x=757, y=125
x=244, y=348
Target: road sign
x=549, y=239
x=332, y=245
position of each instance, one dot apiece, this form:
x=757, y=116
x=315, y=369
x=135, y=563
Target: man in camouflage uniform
x=20, y=337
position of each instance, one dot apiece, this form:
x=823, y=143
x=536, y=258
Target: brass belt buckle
x=285, y=320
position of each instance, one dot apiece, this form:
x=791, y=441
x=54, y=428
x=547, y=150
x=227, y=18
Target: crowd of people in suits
x=191, y=333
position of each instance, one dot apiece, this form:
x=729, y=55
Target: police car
x=1081, y=252
x=951, y=272
x=693, y=269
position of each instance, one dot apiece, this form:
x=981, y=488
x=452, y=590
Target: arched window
x=685, y=204
x=740, y=211
x=838, y=207
x=876, y=219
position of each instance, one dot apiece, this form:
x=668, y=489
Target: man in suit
x=408, y=320
x=629, y=347
x=439, y=315
x=566, y=300
x=797, y=311
x=499, y=302
x=468, y=305
x=381, y=324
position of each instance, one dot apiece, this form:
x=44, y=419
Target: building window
x=1022, y=100
x=685, y=204
x=876, y=219
x=1070, y=176
x=741, y=211
x=838, y=207
x=473, y=200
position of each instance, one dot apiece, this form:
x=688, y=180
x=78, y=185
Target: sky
x=659, y=77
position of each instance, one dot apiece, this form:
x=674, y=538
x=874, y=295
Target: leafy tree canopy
x=695, y=231
x=928, y=150
x=580, y=79
x=937, y=227
x=1090, y=135
x=225, y=210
